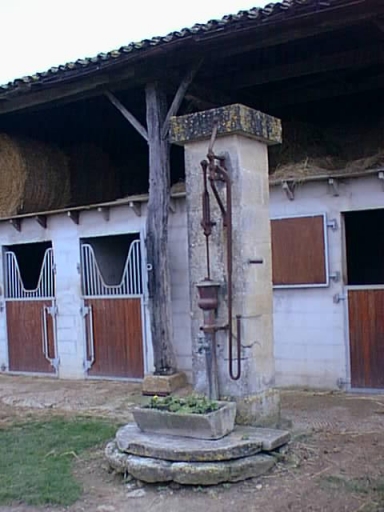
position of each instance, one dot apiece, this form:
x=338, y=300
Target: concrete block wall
x=65, y=236
x=178, y=255
x=310, y=330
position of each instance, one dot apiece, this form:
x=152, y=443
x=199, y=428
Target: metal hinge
x=332, y=223
x=84, y=311
x=335, y=276
x=53, y=310
x=339, y=297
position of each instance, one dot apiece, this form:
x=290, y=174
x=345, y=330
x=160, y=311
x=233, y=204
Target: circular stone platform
x=160, y=458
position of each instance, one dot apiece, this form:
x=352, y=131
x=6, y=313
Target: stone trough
x=247, y=452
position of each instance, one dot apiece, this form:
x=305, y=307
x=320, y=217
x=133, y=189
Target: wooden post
x=157, y=231
x=156, y=134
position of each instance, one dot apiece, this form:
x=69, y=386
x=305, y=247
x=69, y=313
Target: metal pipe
x=223, y=174
x=211, y=365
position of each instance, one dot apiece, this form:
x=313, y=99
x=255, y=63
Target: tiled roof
x=255, y=16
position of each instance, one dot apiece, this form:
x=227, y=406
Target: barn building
x=74, y=272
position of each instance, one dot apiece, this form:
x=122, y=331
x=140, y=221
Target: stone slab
x=188, y=473
x=231, y=119
x=269, y=438
x=130, y=439
x=163, y=385
x=213, y=425
x=242, y=442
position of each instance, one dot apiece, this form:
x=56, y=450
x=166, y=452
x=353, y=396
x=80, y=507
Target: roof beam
x=325, y=91
x=179, y=96
x=357, y=57
x=128, y=116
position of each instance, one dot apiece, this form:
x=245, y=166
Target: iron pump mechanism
x=214, y=171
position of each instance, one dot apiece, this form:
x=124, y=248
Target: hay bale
x=93, y=177
x=34, y=176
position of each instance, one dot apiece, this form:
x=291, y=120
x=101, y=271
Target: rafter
x=179, y=96
x=357, y=57
x=127, y=114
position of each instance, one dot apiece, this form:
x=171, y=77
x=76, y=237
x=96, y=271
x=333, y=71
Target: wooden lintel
x=74, y=216
x=127, y=114
x=16, y=223
x=172, y=206
x=41, y=220
x=289, y=190
x=334, y=186
x=136, y=207
x=105, y=212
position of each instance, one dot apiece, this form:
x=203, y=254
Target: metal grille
x=94, y=284
x=14, y=286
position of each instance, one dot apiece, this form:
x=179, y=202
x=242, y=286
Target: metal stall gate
x=113, y=317
x=31, y=318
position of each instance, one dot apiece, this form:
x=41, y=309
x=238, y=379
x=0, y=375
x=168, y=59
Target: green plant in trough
x=192, y=404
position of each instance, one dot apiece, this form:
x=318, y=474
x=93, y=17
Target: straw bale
x=328, y=166
x=94, y=178
x=34, y=176
x=309, y=151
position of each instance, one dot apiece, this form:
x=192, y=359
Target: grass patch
x=36, y=459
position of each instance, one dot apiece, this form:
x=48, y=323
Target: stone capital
x=233, y=119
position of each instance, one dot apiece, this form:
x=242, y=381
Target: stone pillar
x=243, y=137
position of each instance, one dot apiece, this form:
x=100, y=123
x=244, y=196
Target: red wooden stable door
x=30, y=310
x=114, y=338
x=113, y=312
x=31, y=345
x=366, y=334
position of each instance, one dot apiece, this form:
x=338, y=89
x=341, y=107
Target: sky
x=38, y=34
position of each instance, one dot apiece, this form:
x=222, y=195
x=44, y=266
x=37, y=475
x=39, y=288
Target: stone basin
x=213, y=425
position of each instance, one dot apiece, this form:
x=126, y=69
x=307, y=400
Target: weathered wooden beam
x=41, y=220
x=355, y=58
x=289, y=189
x=136, y=207
x=127, y=114
x=45, y=95
x=209, y=95
x=379, y=23
x=105, y=211
x=292, y=28
x=74, y=216
x=323, y=91
x=16, y=223
x=179, y=96
x=157, y=231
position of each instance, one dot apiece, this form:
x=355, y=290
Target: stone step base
x=242, y=442
x=160, y=458
x=152, y=470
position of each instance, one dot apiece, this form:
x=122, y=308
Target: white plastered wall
x=65, y=235
x=311, y=330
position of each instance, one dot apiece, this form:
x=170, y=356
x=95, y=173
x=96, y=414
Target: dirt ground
x=334, y=463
